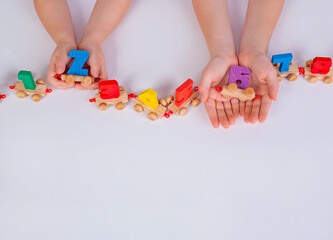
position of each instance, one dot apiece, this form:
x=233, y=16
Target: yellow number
x=149, y=98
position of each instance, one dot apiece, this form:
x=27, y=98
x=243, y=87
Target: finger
x=241, y=108
x=255, y=110
x=54, y=81
x=60, y=64
x=229, y=113
x=247, y=112
x=94, y=69
x=235, y=107
x=266, y=103
x=273, y=85
x=210, y=106
x=103, y=74
x=222, y=115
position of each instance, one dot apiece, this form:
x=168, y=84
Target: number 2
x=109, y=89
x=183, y=92
x=80, y=59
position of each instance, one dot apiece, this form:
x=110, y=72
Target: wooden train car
x=319, y=68
x=147, y=101
x=184, y=96
x=110, y=93
x=232, y=91
x=291, y=75
x=71, y=79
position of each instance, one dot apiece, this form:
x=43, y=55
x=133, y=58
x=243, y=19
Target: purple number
x=240, y=76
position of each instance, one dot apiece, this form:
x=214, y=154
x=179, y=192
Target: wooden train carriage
x=153, y=114
x=291, y=75
x=314, y=77
x=232, y=90
x=119, y=102
x=182, y=110
x=36, y=94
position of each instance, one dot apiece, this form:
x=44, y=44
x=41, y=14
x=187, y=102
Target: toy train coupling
x=58, y=76
x=301, y=70
x=92, y=100
x=168, y=114
x=219, y=89
x=2, y=96
x=132, y=95
x=12, y=87
x=196, y=89
x=48, y=90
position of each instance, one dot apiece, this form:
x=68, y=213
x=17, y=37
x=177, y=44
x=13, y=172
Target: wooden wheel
x=292, y=77
x=182, y=111
x=103, y=106
x=70, y=79
x=21, y=94
x=169, y=99
x=152, y=116
x=87, y=80
x=249, y=92
x=328, y=80
x=163, y=102
x=232, y=87
x=313, y=79
x=279, y=78
x=120, y=106
x=35, y=97
x=195, y=102
x=121, y=88
x=309, y=63
x=138, y=108
x=40, y=81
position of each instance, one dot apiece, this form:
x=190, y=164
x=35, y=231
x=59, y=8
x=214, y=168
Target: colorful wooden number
x=27, y=79
x=183, y=92
x=240, y=76
x=321, y=65
x=109, y=89
x=284, y=60
x=149, y=98
x=80, y=59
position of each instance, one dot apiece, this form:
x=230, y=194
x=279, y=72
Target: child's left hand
x=265, y=84
x=96, y=62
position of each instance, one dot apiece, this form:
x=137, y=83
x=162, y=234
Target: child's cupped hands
x=221, y=111
x=264, y=81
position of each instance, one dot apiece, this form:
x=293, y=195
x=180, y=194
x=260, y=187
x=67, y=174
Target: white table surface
x=69, y=171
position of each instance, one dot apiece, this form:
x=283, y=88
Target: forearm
x=56, y=18
x=214, y=20
x=261, y=19
x=105, y=17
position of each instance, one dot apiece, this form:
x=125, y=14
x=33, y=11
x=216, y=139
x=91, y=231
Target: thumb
x=204, y=87
x=60, y=65
x=273, y=85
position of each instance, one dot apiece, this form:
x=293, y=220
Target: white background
x=69, y=171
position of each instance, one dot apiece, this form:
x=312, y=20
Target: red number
x=321, y=65
x=109, y=89
x=184, y=92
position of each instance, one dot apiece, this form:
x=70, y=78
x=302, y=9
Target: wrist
x=90, y=39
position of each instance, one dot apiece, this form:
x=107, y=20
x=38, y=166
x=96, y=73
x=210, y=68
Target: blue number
x=284, y=59
x=80, y=59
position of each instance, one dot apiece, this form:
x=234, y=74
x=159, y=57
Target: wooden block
x=27, y=79
x=40, y=89
x=159, y=111
x=284, y=60
x=175, y=109
x=321, y=65
x=149, y=98
x=80, y=59
x=183, y=92
x=231, y=90
x=240, y=76
x=293, y=70
x=122, y=98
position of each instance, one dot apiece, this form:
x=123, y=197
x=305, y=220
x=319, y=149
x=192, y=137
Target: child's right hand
x=220, y=110
x=58, y=63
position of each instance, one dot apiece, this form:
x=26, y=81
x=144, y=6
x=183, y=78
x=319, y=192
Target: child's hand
x=220, y=111
x=58, y=63
x=96, y=63
x=264, y=82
